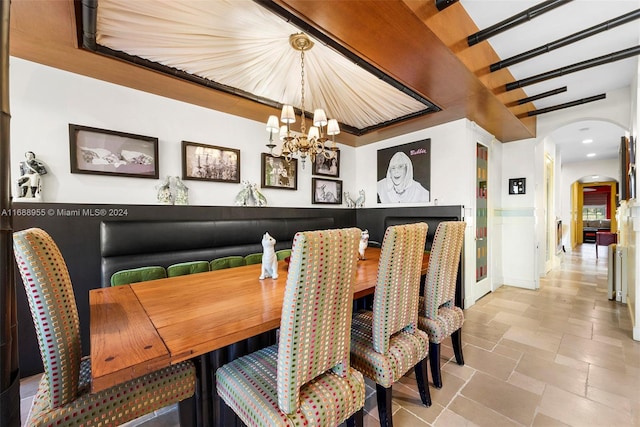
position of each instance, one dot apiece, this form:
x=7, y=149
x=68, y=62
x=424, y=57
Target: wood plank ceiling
x=410, y=40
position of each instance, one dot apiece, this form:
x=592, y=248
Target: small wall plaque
x=517, y=186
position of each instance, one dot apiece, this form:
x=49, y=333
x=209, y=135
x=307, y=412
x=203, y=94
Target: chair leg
x=434, y=361
x=357, y=419
x=383, y=396
x=423, y=383
x=456, y=340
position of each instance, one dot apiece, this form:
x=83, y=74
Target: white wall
x=45, y=100
x=453, y=168
x=516, y=216
x=630, y=220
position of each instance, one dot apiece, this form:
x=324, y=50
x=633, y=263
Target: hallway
x=562, y=355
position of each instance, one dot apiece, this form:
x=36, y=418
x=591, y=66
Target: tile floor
x=559, y=356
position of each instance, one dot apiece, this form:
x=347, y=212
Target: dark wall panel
x=76, y=230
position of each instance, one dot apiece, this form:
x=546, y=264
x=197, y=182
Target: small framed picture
x=277, y=172
x=326, y=191
x=210, y=163
x=108, y=152
x=517, y=186
x=327, y=166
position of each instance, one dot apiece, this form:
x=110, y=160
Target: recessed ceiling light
x=591, y=155
x=587, y=141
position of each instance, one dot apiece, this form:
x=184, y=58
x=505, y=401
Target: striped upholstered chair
x=63, y=396
x=438, y=315
x=386, y=342
x=306, y=378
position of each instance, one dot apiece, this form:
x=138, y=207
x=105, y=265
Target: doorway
x=593, y=208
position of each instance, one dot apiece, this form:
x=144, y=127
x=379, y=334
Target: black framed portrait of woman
x=404, y=173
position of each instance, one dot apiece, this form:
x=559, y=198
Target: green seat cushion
x=190, y=267
x=253, y=258
x=283, y=253
x=141, y=274
x=227, y=262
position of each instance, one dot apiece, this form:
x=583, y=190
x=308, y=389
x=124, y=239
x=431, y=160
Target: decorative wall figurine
x=360, y=199
x=269, y=259
x=30, y=181
x=180, y=192
x=242, y=199
x=364, y=242
x=348, y=200
x=164, y=192
x=258, y=197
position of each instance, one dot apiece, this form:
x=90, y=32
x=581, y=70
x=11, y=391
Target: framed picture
x=326, y=191
x=517, y=185
x=404, y=173
x=276, y=172
x=210, y=163
x=108, y=152
x=327, y=167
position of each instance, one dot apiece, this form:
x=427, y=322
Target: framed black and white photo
x=108, y=152
x=327, y=166
x=404, y=173
x=210, y=163
x=326, y=191
x=517, y=185
x=277, y=172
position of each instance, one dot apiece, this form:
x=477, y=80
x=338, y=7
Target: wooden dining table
x=139, y=328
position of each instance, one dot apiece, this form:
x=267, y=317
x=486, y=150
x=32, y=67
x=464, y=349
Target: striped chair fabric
x=306, y=379
x=63, y=396
x=189, y=267
x=135, y=275
x=386, y=342
x=227, y=262
x=438, y=315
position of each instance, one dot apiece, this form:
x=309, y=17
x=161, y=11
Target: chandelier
x=313, y=143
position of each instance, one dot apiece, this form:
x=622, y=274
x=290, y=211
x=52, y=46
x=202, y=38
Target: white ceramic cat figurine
x=269, y=259
x=364, y=242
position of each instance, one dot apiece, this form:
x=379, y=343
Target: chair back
x=227, y=262
x=440, y=281
x=189, y=267
x=54, y=311
x=395, y=302
x=315, y=327
x=255, y=258
x=140, y=274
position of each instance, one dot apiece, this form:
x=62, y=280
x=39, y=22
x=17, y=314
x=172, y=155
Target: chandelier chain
x=303, y=126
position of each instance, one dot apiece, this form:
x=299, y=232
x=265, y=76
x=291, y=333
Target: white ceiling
x=240, y=44
x=555, y=24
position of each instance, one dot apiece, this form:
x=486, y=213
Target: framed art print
x=277, y=172
x=210, y=163
x=108, y=152
x=327, y=166
x=326, y=191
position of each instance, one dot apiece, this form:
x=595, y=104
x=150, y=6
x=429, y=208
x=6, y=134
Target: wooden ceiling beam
x=395, y=37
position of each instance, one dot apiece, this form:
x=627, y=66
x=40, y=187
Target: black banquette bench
x=132, y=244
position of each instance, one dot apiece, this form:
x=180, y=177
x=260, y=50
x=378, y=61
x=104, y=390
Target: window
x=592, y=212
